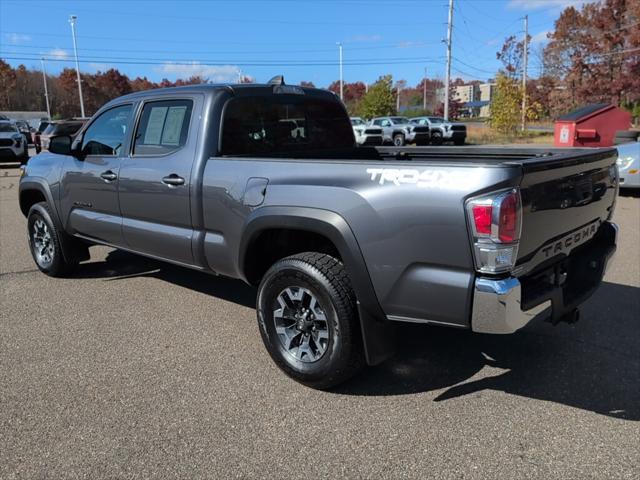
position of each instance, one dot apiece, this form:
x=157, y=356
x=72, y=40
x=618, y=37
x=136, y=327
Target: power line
x=398, y=45
x=244, y=64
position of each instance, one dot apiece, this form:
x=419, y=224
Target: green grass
x=487, y=136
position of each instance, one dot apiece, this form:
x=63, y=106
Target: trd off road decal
x=422, y=178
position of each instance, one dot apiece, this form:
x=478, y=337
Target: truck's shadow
x=593, y=365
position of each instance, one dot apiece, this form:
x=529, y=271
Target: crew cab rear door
x=156, y=178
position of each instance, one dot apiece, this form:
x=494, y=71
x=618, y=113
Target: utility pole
x=72, y=21
x=239, y=75
x=525, y=44
x=424, y=90
x=341, y=77
x=398, y=98
x=448, y=75
x=46, y=91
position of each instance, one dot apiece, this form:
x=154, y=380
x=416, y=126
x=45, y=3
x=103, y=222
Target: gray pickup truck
x=342, y=242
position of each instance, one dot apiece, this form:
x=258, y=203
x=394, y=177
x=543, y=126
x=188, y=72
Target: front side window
x=282, y=124
x=163, y=127
x=107, y=133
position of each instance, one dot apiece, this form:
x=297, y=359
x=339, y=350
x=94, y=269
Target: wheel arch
x=377, y=332
x=35, y=190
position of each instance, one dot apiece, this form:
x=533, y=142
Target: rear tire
x=44, y=242
x=308, y=320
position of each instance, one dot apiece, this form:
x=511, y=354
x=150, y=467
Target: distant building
x=475, y=98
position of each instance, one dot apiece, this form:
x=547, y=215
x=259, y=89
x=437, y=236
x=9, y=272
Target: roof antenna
x=277, y=80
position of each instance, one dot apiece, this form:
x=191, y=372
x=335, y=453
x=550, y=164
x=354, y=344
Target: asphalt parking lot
x=135, y=369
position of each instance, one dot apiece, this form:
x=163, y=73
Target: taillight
x=495, y=229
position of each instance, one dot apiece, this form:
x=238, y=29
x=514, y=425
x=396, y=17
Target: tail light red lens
x=482, y=218
x=508, y=223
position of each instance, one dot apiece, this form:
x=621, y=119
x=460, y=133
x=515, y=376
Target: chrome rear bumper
x=496, y=307
x=497, y=303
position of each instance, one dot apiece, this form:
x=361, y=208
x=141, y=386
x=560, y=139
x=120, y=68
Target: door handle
x=108, y=176
x=173, y=180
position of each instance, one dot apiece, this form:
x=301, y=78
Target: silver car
x=366, y=134
x=629, y=164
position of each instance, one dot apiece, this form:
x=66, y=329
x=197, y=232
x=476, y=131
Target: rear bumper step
x=505, y=305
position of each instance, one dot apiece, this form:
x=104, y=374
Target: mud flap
x=378, y=337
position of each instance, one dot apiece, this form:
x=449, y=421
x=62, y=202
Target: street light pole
x=341, y=77
x=448, y=76
x=424, y=90
x=46, y=91
x=524, y=72
x=72, y=21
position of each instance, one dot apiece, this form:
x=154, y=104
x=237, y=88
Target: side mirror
x=61, y=145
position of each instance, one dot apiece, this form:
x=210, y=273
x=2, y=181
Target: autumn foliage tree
x=379, y=100
x=594, y=55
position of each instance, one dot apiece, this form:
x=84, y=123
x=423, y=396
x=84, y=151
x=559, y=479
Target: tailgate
x=564, y=202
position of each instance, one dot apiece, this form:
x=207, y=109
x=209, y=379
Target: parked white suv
x=13, y=145
x=366, y=134
x=443, y=130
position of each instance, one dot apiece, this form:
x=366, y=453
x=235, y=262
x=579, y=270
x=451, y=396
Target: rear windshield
x=284, y=124
x=66, y=128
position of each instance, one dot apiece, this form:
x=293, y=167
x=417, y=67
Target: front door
x=89, y=184
x=155, y=180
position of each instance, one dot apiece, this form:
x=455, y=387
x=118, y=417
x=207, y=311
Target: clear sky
x=261, y=38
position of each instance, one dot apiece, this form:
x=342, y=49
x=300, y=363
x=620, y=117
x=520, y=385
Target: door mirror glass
x=60, y=145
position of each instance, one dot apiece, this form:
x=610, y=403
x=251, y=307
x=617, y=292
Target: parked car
x=343, y=242
x=60, y=127
x=24, y=129
x=629, y=164
x=366, y=134
x=443, y=130
x=42, y=126
x=399, y=131
x=13, y=147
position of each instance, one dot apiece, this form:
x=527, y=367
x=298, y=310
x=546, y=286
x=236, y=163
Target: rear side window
x=67, y=128
x=106, y=134
x=163, y=127
x=284, y=124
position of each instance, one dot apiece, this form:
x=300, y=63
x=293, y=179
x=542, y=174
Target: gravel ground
x=137, y=369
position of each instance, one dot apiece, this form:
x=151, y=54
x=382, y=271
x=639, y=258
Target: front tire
x=44, y=242
x=436, y=138
x=398, y=140
x=308, y=320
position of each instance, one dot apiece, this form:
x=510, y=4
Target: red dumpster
x=593, y=125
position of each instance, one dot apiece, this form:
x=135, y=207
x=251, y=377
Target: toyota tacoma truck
x=342, y=242
x=443, y=130
x=399, y=131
